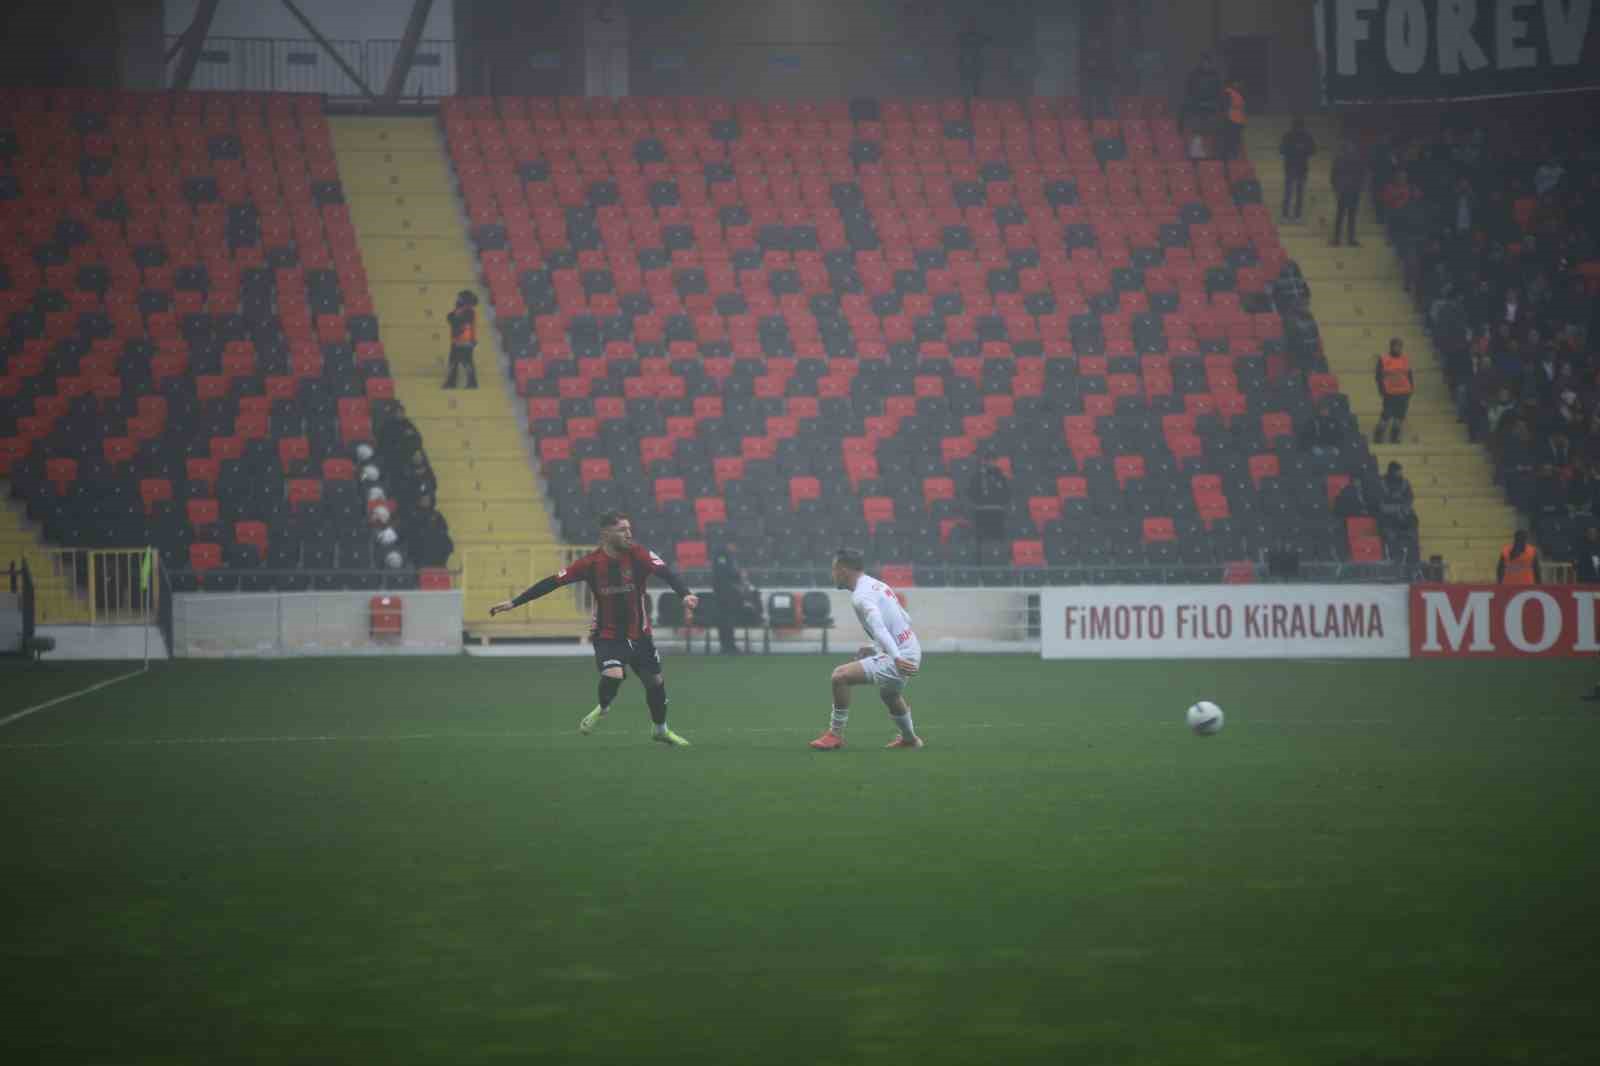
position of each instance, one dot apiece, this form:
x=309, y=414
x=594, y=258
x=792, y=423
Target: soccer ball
x=1205, y=719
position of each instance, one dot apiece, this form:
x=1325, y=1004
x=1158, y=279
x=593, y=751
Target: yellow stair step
x=413, y=233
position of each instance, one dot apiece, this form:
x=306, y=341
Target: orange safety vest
x=1519, y=568
x=1396, y=375
x=1235, y=106
x=465, y=331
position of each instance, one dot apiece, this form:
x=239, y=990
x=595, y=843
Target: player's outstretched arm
x=543, y=587
x=659, y=567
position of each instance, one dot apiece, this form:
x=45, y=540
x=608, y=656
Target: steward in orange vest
x=1233, y=128
x=463, y=339
x=1395, y=384
x=1519, y=562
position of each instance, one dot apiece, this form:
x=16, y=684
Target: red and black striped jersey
x=617, y=584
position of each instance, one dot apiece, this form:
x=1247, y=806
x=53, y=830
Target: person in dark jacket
x=1202, y=95
x=1589, y=557
x=731, y=588
x=990, y=494
x=970, y=44
x=1349, y=174
x=1297, y=148
x=426, y=534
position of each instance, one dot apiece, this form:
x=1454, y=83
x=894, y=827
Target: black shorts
x=640, y=654
x=1396, y=406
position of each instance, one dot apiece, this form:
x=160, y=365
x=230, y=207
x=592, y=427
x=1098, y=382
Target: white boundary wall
x=1226, y=622
x=268, y=624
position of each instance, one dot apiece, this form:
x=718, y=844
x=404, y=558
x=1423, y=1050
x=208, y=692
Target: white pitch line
x=390, y=738
x=47, y=704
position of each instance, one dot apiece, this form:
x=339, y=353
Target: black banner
x=1391, y=50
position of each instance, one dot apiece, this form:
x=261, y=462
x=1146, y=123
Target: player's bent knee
x=615, y=672
x=652, y=680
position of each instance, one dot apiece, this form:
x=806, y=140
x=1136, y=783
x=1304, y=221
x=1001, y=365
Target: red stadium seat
x=1159, y=530
x=1043, y=509
x=668, y=489
x=203, y=512
x=253, y=534
x=592, y=470
x=1360, y=526
x=1366, y=550
x=803, y=488
x=302, y=491
x=202, y=471
x=203, y=557
x=690, y=555
x=1263, y=466
x=1336, y=484
x=1127, y=468
x=61, y=473
x=1027, y=554
x=153, y=491
x=897, y=575
x=937, y=488
x=709, y=510
x=877, y=509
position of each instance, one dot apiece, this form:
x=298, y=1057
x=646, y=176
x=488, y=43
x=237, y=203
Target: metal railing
x=491, y=573
x=299, y=65
x=973, y=576
x=96, y=586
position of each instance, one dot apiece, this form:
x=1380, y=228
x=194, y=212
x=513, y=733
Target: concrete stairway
x=57, y=600
x=1360, y=303
x=417, y=255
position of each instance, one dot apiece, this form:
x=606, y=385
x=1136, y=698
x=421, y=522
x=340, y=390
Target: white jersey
x=884, y=619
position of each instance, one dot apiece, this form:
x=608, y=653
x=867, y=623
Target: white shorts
x=881, y=671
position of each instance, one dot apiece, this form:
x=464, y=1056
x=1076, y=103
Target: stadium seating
x=823, y=315
x=189, y=350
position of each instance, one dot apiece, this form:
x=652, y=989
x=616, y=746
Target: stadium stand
x=792, y=324
x=1501, y=200
x=190, y=353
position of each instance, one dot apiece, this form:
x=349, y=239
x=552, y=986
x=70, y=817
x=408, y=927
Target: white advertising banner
x=1225, y=622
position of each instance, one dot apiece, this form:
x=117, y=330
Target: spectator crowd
x=1499, y=233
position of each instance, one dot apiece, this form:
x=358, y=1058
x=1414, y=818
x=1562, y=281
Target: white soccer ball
x=1205, y=719
x=394, y=560
x=363, y=452
x=375, y=493
x=369, y=473
x=387, y=536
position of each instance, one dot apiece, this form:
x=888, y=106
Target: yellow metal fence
x=491, y=573
x=95, y=586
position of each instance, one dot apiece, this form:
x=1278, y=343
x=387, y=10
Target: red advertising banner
x=1504, y=621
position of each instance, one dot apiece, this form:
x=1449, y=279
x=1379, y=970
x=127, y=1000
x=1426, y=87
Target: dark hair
x=851, y=558
x=608, y=519
x=468, y=297
x=1396, y=344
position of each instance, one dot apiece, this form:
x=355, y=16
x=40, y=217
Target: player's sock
x=656, y=697
x=841, y=715
x=609, y=687
x=902, y=722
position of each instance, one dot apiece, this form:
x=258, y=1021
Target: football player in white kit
x=888, y=662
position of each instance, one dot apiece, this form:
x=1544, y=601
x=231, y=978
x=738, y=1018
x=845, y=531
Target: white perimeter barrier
x=1225, y=622
x=266, y=624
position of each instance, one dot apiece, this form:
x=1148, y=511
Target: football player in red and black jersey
x=616, y=573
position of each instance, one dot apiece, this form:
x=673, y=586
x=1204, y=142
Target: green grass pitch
x=411, y=861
